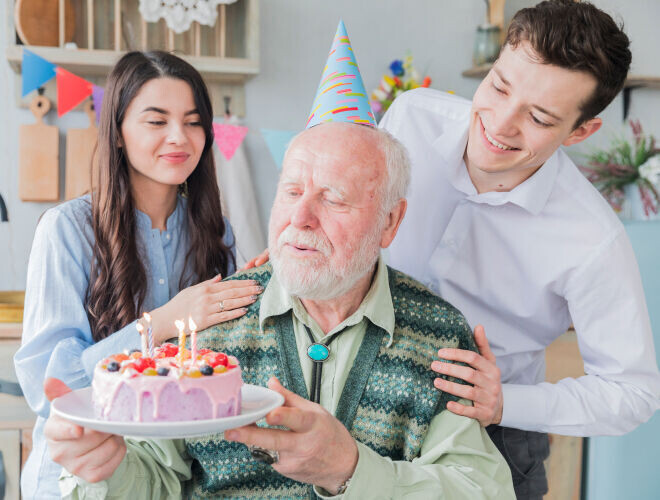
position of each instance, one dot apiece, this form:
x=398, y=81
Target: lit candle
x=143, y=338
x=150, y=334
x=193, y=340
x=182, y=340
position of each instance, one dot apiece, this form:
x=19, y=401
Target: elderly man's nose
x=304, y=215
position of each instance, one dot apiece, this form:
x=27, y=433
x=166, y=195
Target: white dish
x=77, y=407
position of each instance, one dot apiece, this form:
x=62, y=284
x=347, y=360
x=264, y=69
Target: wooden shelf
x=477, y=71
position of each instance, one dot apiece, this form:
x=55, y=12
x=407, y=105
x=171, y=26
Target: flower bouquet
x=403, y=77
x=625, y=167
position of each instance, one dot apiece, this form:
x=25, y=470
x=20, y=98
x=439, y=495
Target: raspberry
x=215, y=359
x=142, y=364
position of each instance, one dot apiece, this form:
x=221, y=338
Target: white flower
x=650, y=170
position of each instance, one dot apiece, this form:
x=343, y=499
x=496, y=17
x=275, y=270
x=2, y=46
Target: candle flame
x=179, y=324
x=139, y=327
x=147, y=316
x=191, y=324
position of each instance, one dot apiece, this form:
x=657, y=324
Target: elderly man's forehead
x=350, y=135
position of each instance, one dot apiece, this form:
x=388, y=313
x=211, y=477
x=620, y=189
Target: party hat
x=341, y=96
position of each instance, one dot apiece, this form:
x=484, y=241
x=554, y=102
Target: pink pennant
x=228, y=138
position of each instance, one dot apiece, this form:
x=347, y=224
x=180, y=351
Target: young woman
x=151, y=237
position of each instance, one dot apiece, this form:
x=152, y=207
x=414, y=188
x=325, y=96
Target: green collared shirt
x=457, y=460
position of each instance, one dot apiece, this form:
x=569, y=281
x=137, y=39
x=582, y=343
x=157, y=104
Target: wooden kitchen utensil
x=38, y=157
x=80, y=147
x=37, y=22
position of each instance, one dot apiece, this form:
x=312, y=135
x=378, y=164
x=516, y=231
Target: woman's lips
x=175, y=157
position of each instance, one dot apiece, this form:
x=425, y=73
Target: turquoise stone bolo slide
x=318, y=352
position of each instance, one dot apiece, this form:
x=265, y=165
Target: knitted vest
x=387, y=403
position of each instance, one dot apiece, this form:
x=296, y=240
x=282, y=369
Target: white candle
x=143, y=339
x=150, y=334
x=193, y=340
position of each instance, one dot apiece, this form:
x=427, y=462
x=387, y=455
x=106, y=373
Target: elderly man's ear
x=394, y=219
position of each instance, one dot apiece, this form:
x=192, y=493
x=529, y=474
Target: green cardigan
x=387, y=403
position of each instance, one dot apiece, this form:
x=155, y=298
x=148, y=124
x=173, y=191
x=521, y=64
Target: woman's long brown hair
x=118, y=285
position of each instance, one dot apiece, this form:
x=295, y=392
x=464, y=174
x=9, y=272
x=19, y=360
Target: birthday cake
x=167, y=386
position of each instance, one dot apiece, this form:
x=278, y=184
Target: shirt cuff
x=523, y=407
x=362, y=485
x=126, y=338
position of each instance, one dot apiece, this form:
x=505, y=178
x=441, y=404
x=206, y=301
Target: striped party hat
x=341, y=96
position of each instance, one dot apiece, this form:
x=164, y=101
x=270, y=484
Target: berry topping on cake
x=163, y=371
x=113, y=366
x=206, y=370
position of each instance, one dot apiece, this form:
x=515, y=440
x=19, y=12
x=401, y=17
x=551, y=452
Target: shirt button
x=161, y=281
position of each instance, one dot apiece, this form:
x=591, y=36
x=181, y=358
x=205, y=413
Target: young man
x=502, y=224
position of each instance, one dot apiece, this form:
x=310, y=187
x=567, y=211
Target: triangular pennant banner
x=228, y=138
x=71, y=90
x=36, y=71
x=277, y=142
x=97, y=98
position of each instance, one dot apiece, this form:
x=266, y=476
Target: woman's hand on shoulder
x=259, y=260
x=208, y=303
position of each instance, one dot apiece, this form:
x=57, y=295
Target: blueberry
x=113, y=366
x=163, y=371
x=206, y=370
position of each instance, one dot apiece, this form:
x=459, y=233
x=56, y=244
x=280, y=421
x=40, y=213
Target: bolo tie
x=318, y=352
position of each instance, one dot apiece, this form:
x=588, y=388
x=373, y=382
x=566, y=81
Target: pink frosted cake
x=130, y=387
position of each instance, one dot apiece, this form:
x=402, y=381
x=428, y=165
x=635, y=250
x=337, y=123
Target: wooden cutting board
x=80, y=147
x=38, y=157
x=37, y=22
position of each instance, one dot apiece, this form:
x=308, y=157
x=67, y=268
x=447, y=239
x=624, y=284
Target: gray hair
x=397, y=166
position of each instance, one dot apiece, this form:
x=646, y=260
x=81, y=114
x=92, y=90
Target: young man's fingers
x=482, y=343
x=471, y=358
x=466, y=373
x=460, y=390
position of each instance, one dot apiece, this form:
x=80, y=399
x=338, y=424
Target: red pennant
x=228, y=138
x=71, y=90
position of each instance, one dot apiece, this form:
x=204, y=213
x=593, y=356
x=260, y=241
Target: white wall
x=295, y=39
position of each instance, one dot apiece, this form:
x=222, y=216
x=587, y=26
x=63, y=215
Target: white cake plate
x=77, y=407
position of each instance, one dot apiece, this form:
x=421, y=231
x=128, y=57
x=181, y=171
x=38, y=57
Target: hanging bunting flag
x=277, y=142
x=36, y=71
x=97, y=98
x=71, y=90
x=228, y=138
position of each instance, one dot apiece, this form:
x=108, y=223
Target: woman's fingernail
x=253, y=297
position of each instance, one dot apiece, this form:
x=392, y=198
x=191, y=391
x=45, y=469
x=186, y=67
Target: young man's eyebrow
x=165, y=112
x=545, y=111
x=504, y=80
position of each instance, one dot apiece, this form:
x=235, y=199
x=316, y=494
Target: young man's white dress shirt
x=527, y=264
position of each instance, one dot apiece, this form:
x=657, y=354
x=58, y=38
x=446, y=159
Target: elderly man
x=378, y=428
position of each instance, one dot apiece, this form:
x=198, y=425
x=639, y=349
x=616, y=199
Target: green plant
x=626, y=162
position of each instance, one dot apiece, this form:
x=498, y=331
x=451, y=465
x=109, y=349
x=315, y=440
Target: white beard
x=315, y=278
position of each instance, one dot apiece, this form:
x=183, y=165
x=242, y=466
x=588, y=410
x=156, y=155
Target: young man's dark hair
x=576, y=36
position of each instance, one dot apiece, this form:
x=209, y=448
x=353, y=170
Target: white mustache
x=295, y=237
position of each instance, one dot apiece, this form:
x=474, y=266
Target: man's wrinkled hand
x=316, y=449
x=484, y=375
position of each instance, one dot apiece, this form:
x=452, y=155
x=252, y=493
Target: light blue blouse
x=57, y=340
